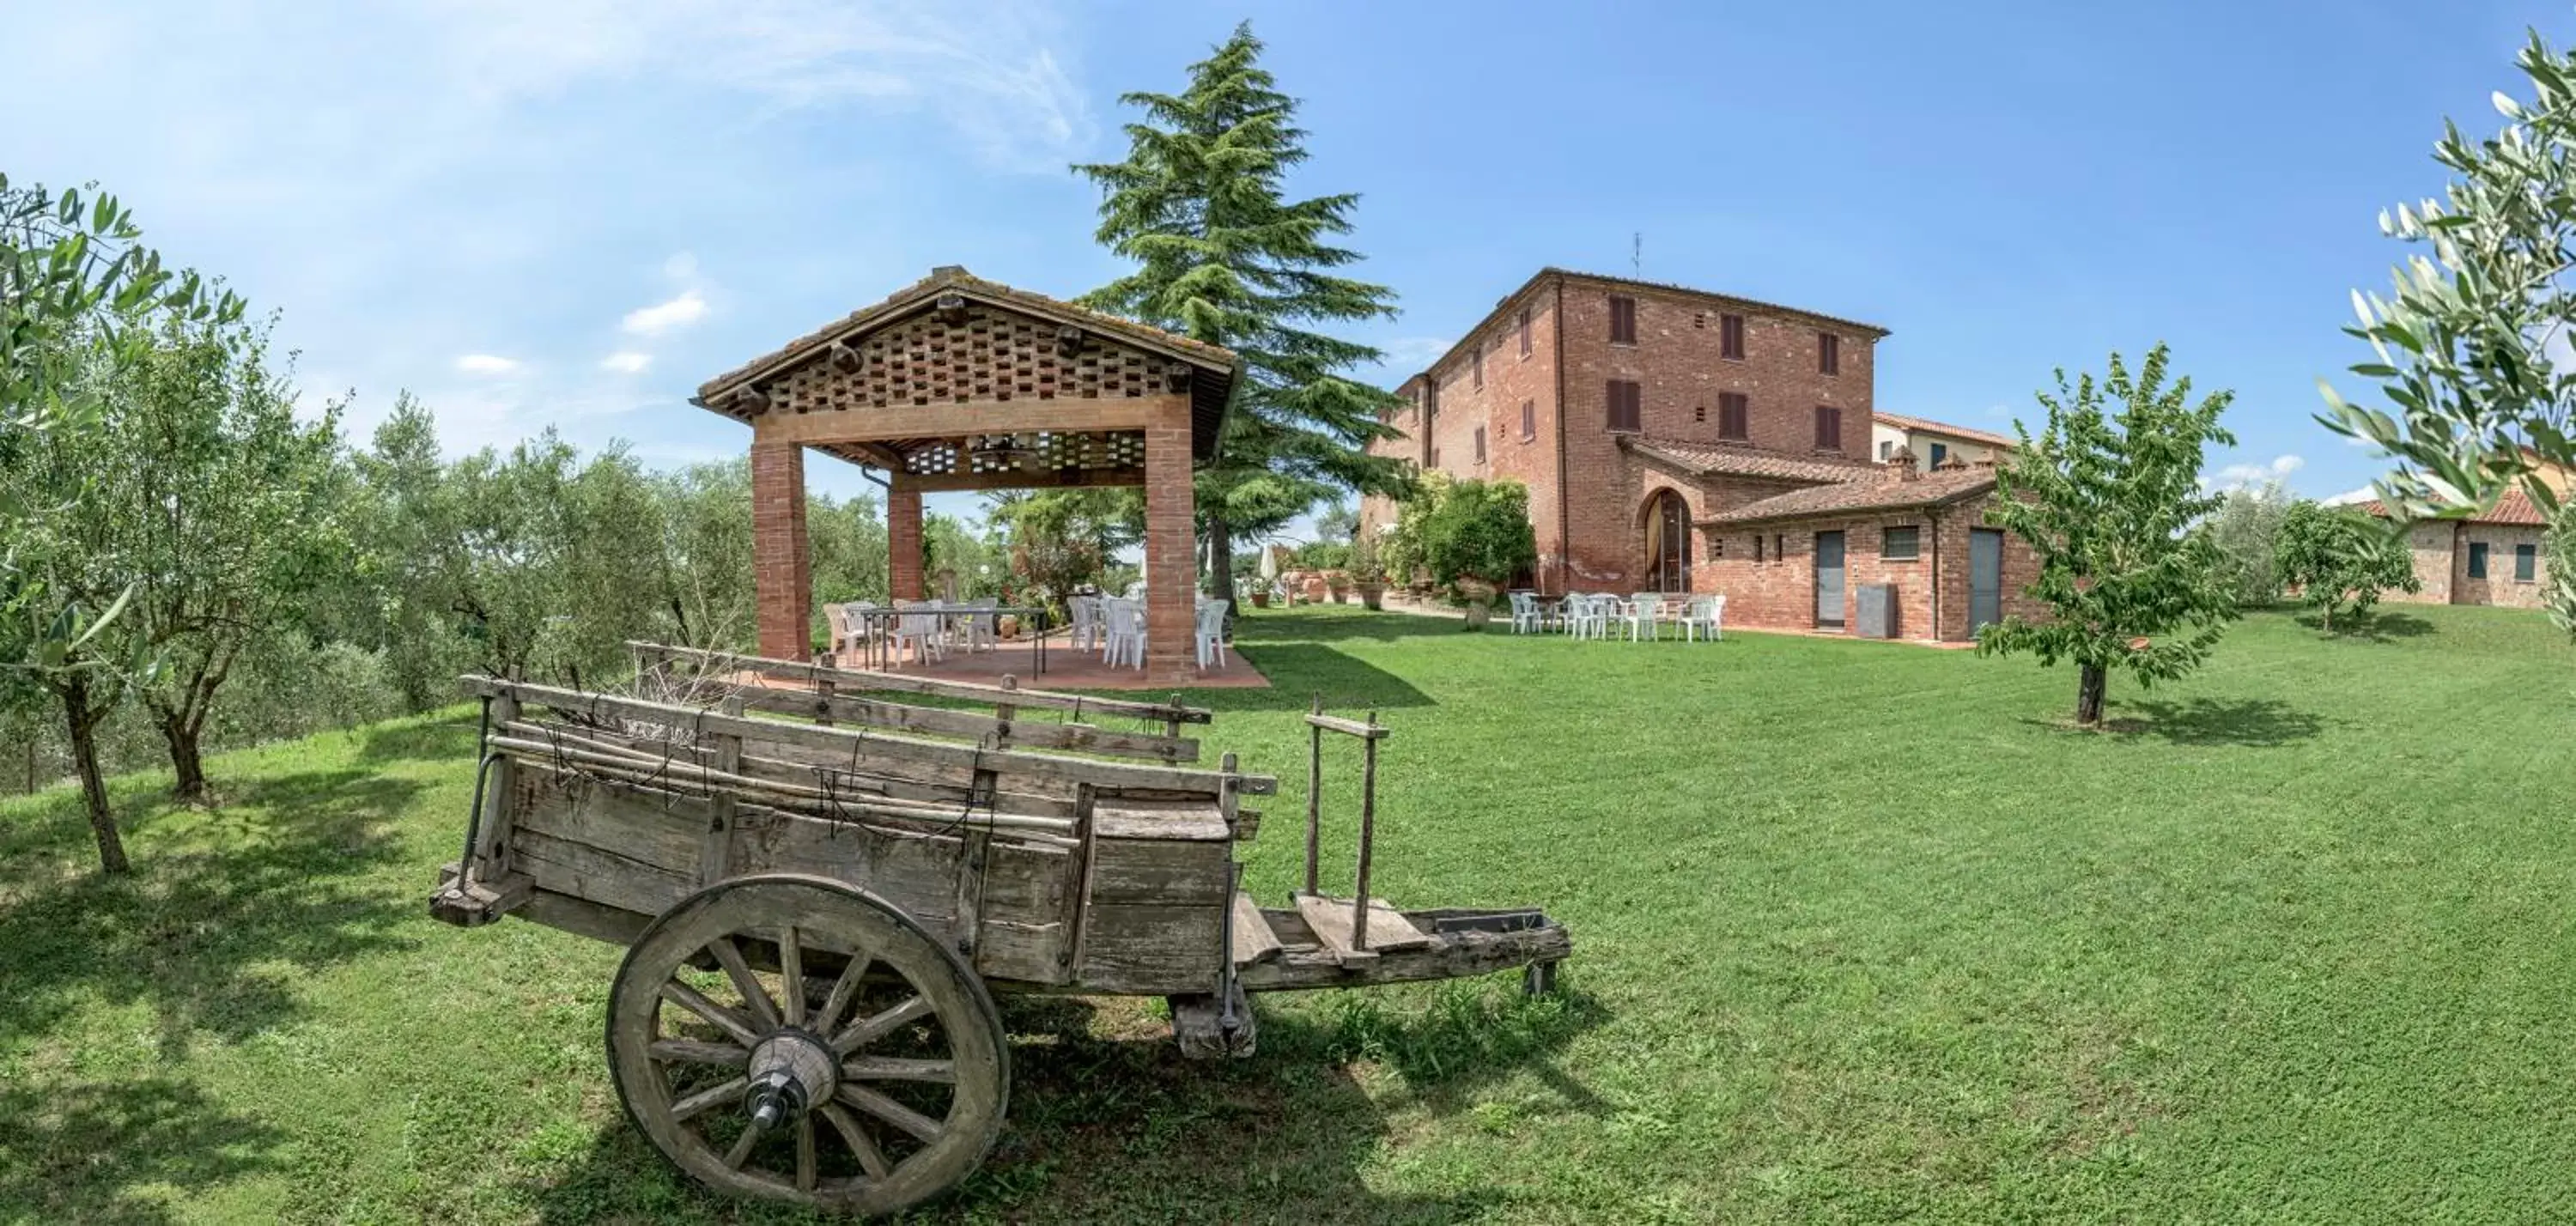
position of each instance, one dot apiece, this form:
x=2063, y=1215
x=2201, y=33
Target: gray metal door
x=1985, y=577
x=1829, y=580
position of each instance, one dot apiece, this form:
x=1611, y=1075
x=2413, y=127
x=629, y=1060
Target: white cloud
x=486, y=364
x=680, y=312
x=2367, y=493
x=2255, y=476
x=1411, y=353
x=627, y=362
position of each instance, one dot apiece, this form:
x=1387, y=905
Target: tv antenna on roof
x=1637, y=254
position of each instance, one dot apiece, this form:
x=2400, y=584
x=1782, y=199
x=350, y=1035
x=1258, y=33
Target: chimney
x=1951, y=464
x=1900, y=465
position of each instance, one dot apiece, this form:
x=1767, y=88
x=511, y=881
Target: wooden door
x=1829, y=581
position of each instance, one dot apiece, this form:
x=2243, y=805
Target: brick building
x=2494, y=557
x=1650, y=421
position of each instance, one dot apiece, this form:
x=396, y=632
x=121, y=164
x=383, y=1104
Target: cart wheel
x=798, y=1039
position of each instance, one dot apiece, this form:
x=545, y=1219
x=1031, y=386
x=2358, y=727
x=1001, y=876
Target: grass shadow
x=2376, y=626
x=194, y=933
x=157, y=1134
x=1108, y=1123
x=1347, y=683
x=426, y=739
x=2259, y=722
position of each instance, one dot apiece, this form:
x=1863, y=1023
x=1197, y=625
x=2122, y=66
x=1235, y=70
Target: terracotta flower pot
x=1372, y=595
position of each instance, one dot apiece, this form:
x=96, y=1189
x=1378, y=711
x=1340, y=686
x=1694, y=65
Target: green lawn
x=1861, y=933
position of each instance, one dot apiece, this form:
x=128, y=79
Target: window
x=1829, y=428
x=1476, y=356
x=2526, y=560
x=1900, y=544
x=1730, y=337
x=1480, y=444
x=2477, y=559
x=1525, y=331
x=1940, y=452
x=1529, y=420
x=1716, y=547
x=1734, y=409
x=1626, y=405
x=1699, y=412
x=1757, y=546
x=1779, y=547
x=1886, y=448
x=1829, y=354
x=1623, y=320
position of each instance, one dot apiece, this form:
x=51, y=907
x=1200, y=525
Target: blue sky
x=571, y=212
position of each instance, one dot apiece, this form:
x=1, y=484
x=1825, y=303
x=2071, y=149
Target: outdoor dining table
x=876, y=643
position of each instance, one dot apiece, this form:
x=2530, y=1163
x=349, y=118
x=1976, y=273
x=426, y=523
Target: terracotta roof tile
x=2515, y=507
x=1883, y=493
x=1720, y=459
x=1926, y=424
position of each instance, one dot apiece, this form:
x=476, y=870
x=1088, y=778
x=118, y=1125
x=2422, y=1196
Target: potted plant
x=1477, y=537
x=1338, y=582
x=1368, y=572
x=1259, y=595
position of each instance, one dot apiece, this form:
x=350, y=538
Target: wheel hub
x=790, y=1072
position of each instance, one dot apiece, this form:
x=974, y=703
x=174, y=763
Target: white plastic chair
x=1125, y=640
x=976, y=631
x=1524, y=613
x=1707, y=616
x=1587, y=617
x=1086, y=622
x=1211, y=631
x=920, y=625
x=1644, y=614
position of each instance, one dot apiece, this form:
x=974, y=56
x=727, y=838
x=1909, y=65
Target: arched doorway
x=1667, y=526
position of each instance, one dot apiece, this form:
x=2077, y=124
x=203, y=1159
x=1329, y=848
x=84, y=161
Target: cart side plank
x=968, y=725
x=860, y=679
x=1150, y=950
x=1160, y=871
x=861, y=748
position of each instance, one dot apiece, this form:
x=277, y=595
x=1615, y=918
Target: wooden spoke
x=895, y=1068
x=725, y=1019
x=754, y=996
x=712, y=1096
x=742, y=1147
x=871, y=1159
x=679, y=1075
x=693, y=1051
x=844, y=990
x=791, y=978
x=870, y=1029
x=892, y=1112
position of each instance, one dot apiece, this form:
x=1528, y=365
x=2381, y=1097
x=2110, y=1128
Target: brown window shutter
x=1730, y=336
x=1623, y=320
x=1525, y=331
x=1529, y=419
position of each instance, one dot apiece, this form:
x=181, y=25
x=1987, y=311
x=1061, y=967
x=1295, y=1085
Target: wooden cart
x=818, y=909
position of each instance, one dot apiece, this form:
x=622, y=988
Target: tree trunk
x=2088, y=694
x=82, y=724
x=186, y=760
x=1221, y=562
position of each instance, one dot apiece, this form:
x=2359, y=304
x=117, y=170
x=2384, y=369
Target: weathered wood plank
x=658, y=828
x=1450, y=955
x=1335, y=723
x=863, y=748
x=1331, y=920
x=1253, y=939
x=1026, y=884
x=472, y=904
x=914, y=872
x=582, y=917
x=1030, y=953
x=1198, y=1025
x=595, y=874
x=839, y=708
x=1151, y=950
x=1175, y=820
x=1160, y=871
x=847, y=678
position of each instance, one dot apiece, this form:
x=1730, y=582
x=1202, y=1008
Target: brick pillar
x=781, y=567
x=1171, y=550
x=903, y=540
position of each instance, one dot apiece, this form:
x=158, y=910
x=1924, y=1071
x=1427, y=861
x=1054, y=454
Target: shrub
x=2341, y=559
x=1480, y=531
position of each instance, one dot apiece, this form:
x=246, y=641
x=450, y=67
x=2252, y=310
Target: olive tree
x=72, y=272
x=2109, y=502
x=2470, y=346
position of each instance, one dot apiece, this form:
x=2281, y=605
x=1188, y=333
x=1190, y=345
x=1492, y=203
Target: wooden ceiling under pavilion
x=870, y=388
